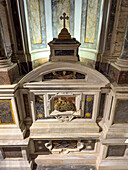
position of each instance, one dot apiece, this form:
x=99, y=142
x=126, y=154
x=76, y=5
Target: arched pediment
x=60, y=71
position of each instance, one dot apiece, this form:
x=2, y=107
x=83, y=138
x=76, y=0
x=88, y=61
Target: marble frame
x=80, y=105
x=68, y=94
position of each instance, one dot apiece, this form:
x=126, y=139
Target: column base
x=9, y=74
x=119, y=73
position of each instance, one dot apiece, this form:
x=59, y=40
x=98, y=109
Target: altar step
x=118, y=131
x=66, y=129
x=114, y=164
x=55, y=159
x=15, y=164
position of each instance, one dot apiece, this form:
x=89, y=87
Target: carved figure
x=63, y=106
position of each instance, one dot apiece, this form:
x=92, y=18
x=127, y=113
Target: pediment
x=61, y=73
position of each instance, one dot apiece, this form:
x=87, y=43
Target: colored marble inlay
x=39, y=102
x=40, y=146
x=116, y=150
x=88, y=106
x=60, y=144
x=35, y=21
x=6, y=112
x=64, y=75
x=88, y=144
x=121, y=111
x=91, y=21
x=58, y=8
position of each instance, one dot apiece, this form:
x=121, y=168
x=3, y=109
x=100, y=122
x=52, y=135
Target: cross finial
x=64, y=18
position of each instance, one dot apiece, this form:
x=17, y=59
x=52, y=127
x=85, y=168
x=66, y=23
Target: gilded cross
x=64, y=18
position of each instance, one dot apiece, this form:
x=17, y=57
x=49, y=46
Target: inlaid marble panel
x=121, y=111
x=88, y=106
x=88, y=144
x=39, y=103
x=40, y=146
x=65, y=74
x=91, y=21
x=116, y=150
x=61, y=144
x=6, y=112
x=58, y=8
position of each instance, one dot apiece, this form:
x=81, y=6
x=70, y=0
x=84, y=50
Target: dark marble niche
x=40, y=146
x=14, y=152
x=116, y=150
x=121, y=111
x=64, y=52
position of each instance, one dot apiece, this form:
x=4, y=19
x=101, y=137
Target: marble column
x=122, y=60
x=9, y=72
x=5, y=61
x=119, y=69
